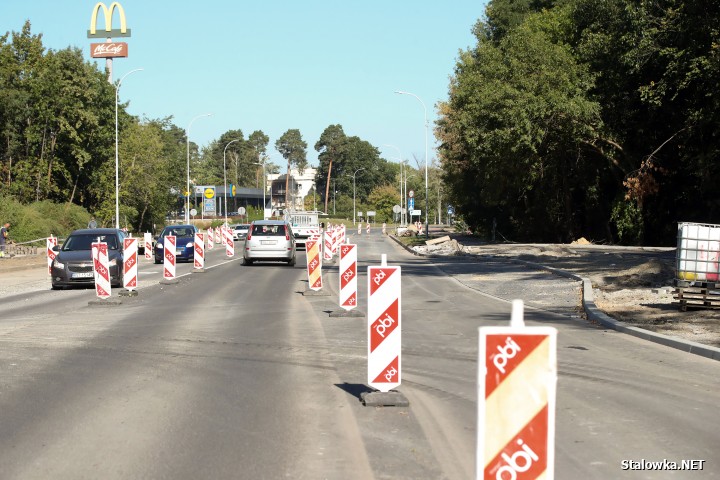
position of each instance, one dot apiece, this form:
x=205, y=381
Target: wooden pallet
x=700, y=296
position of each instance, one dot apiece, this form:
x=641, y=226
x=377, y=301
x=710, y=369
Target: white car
x=269, y=240
x=240, y=231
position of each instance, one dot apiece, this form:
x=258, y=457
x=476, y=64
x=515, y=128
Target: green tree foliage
x=584, y=118
x=330, y=146
x=294, y=150
x=382, y=200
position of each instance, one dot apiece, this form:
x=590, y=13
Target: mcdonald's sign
x=109, y=32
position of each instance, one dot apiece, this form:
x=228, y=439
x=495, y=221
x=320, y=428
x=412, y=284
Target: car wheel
x=247, y=261
x=291, y=262
x=157, y=261
x=56, y=287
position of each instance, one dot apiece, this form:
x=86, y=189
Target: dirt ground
x=635, y=285
x=631, y=284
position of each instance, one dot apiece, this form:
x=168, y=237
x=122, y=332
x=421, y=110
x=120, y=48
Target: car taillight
x=287, y=234
x=249, y=235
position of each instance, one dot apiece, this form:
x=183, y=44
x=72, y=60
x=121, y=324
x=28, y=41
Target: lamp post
x=187, y=135
x=353, y=175
x=117, y=154
x=401, y=180
x=427, y=229
x=225, y=176
x=264, y=183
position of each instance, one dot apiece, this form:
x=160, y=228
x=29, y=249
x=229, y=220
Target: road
x=234, y=373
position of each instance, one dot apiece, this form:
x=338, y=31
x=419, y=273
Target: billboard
x=109, y=50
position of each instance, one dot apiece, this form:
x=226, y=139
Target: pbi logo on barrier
x=384, y=328
x=516, y=402
x=108, y=32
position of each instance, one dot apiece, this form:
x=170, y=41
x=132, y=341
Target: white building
x=300, y=186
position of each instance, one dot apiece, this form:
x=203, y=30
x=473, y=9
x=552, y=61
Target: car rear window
x=179, y=232
x=268, y=230
x=84, y=242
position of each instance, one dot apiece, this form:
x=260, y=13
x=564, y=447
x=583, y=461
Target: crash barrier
x=314, y=264
x=170, y=257
x=516, y=400
x=101, y=270
x=148, y=241
x=384, y=327
x=130, y=263
x=348, y=276
x=50, y=243
x=199, y=246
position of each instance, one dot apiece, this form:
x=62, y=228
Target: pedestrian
x=92, y=223
x=3, y=238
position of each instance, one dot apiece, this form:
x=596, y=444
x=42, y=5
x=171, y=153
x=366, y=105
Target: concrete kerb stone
x=596, y=315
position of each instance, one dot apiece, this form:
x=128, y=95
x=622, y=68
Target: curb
x=597, y=315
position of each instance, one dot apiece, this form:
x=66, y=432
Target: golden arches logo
x=108, y=13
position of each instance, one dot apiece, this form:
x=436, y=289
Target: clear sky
x=273, y=65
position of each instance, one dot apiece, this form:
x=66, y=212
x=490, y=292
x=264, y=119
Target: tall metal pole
x=117, y=154
x=356, y=171
x=401, y=179
x=225, y=176
x=187, y=187
x=264, y=183
x=427, y=229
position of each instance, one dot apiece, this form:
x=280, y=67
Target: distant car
x=269, y=240
x=73, y=264
x=240, y=231
x=184, y=243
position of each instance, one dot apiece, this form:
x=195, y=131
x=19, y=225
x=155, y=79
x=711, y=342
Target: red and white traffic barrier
x=384, y=327
x=223, y=235
x=327, y=246
x=384, y=227
x=199, y=246
x=368, y=228
x=359, y=228
x=101, y=269
x=51, y=242
x=516, y=400
x=218, y=236
x=229, y=243
x=211, y=239
x=170, y=253
x=348, y=276
x=314, y=264
x=147, y=238
x=130, y=263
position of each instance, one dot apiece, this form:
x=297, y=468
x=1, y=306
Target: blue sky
x=274, y=65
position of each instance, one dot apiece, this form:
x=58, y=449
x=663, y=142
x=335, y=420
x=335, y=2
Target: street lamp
x=187, y=135
x=401, y=180
x=264, y=183
x=353, y=175
x=427, y=229
x=225, y=176
x=117, y=154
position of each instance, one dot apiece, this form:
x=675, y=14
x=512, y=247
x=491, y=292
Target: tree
x=330, y=145
x=294, y=150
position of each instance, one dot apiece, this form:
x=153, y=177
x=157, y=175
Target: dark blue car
x=184, y=243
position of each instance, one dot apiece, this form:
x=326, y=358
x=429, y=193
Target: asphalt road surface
x=234, y=373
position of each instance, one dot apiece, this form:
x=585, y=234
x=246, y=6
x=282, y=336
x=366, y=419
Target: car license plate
x=268, y=242
x=82, y=275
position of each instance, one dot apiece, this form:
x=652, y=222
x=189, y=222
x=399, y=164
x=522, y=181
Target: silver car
x=270, y=240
